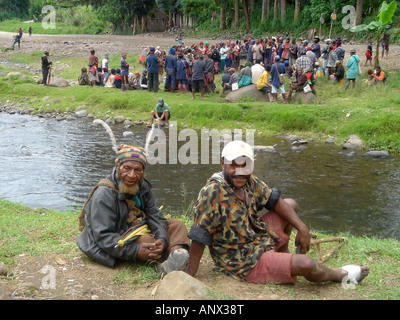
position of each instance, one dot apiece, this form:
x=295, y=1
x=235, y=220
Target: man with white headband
x=247, y=226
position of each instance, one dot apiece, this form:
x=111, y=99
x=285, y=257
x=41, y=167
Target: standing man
x=170, y=70
x=199, y=69
x=123, y=202
x=124, y=73
x=152, y=61
x=277, y=87
x=93, y=69
x=352, y=69
x=45, y=67
x=247, y=225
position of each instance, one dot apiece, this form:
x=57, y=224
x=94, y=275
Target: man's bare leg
x=314, y=271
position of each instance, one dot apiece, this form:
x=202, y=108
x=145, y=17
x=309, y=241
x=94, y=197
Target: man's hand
x=150, y=251
x=303, y=239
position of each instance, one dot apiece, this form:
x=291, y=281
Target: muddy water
x=50, y=164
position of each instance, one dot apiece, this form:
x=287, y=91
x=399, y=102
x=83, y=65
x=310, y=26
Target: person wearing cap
x=331, y=62
x=122, y=202
x=83, y=79
x=136, y=81
x=198, y=76
x=325, y=54
x=277, y=87
x=338, y=76
x=170, y=70
x=144, y=80
x=152, y=64
x=118, y=79
x=352, y=65
x=316, y=48
x=247, y=226
x=161, y=113
x=340, y=51
x=46, y=63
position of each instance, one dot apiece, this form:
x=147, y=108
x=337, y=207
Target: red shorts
x=273, y=266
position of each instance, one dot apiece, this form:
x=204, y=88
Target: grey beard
x=122, y=188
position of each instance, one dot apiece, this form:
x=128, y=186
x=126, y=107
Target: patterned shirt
x=233, y=229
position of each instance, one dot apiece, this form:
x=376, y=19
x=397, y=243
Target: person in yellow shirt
x=263, y=83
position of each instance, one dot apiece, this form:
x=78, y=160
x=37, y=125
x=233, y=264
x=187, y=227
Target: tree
x=297, y=9
x=246, y=15
x=380, y=25
x=236, y=23
x=283, y=11
x=359, y=10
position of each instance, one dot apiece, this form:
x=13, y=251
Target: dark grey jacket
x=105, y=221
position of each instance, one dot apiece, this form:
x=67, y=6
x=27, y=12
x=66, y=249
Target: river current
x=54, y=164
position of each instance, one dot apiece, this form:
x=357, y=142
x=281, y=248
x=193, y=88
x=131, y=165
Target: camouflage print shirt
x=233, y=230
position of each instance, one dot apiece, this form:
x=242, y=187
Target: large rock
x=377, y=154
x=58, y=82
x=353, y=142
x=178, y=285
x=247, y=91
x=300, y=97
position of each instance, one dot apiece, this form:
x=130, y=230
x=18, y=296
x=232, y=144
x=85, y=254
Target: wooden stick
x=315, y=241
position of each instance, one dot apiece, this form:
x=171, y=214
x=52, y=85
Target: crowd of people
x=282, y=62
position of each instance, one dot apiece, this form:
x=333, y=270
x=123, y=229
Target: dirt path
x=62, y=278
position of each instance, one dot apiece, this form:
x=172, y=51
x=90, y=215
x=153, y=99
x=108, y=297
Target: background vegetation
x=211, y=16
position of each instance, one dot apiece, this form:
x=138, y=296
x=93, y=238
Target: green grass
x=38, y=233
x=372, y=113
x=13, y=25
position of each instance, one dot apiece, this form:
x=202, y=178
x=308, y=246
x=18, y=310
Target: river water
x=54, y=164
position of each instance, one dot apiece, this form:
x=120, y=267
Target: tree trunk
x=297, y=9
x=264, y=4
x=276, y=4
x=236, y=13
x=250, y=7
x=222, y=18
x=246, y=16
x=359, y=11
x=283, y=11
x=376, y=58
x=144, y=23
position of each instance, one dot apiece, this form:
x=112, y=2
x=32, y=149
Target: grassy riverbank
x=372, y=113
x=40, y=234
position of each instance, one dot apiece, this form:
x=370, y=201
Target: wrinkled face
x=236, y=172
x=130, y=173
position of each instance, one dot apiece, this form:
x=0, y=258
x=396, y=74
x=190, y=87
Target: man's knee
x=292, y=203
x=303, y=265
